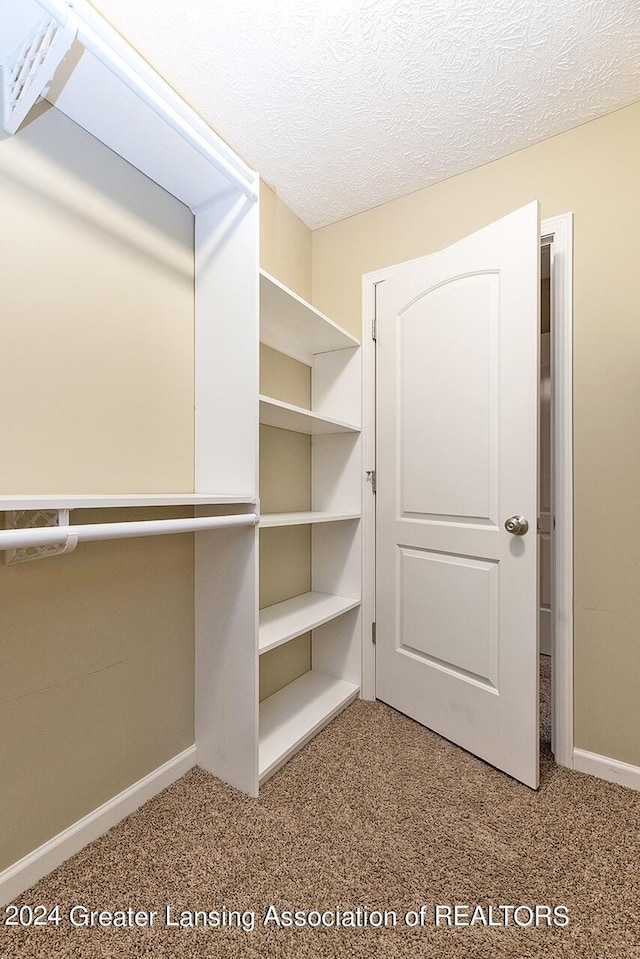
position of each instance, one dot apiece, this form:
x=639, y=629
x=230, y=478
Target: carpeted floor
x=545, y=699
x=376, y=812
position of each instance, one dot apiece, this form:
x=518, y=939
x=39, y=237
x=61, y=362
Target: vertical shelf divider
x=226, y=441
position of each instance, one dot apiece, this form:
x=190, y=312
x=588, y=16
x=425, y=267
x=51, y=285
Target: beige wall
x=592, y=171
x=285, y=243
x=96, y=339
x=284, y=378
x=96, y=326
x=96, y=685
x=285, y=567
x=285, y=458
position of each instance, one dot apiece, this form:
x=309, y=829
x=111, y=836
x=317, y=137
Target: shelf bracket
x=28, y=71
x=37, y=519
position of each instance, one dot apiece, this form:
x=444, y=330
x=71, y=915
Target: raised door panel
x=448, y=410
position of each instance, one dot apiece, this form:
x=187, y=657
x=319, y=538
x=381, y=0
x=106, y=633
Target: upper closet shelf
x=291, y=325
x=105, y=501
x=298, y=420
x=71, y=56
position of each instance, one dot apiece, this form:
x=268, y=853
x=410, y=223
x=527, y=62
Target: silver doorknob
x=518, y=525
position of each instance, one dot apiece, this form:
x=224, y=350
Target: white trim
x=561, y=227
x=37, y=864
x=613, y=770
x=368, y=687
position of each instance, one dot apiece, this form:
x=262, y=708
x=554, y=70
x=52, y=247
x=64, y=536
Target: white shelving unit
x=292, y=716
x=110, y=91
x=101, y=501
x=331, y=610
x=284, y=416
x=302, y=519
x=291, y=325
x=284, y=621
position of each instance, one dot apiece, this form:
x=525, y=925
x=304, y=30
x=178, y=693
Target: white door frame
x=561, y=229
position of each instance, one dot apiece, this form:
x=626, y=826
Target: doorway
x=557, y=608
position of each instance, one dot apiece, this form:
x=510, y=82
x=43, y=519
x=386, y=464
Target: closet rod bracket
x=38, y=519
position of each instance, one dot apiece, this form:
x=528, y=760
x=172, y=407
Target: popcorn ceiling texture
x=344, y=104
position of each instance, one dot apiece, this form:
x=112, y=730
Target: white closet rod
x=101, y=48
x=89, y=532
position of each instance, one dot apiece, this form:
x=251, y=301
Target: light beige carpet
x=376, y=812
x=545, y=699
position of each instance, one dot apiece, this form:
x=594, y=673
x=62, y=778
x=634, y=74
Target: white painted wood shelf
x=285, y=416
x=284, y=621
x=106, y=501
x=329, y=611
x=291, y=325
x=302, y=519
x=293, y=715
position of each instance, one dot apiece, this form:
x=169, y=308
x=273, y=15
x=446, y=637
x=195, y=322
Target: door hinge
x=374, y=328
x=371, y=476
x=373, y=633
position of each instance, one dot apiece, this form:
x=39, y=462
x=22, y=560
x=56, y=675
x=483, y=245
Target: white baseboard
x=614, y=771
x=29, y=870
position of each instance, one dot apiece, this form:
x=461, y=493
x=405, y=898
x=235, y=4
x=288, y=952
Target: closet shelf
x=285, y=621
x=298, y=420
x=105, y=500
x=112, y=93
x=293, y=715
x=302, y=519
x=291, y=325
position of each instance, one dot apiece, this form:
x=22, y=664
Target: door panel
x=435, y=625
x=457, y=381
x=455, y=325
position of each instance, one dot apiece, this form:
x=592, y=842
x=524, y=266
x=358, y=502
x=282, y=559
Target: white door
x=457, y=446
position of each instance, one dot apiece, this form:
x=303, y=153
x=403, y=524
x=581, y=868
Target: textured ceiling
x=343, y=104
